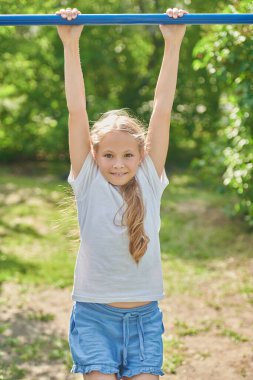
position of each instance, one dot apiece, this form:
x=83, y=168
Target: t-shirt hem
x=151, y=297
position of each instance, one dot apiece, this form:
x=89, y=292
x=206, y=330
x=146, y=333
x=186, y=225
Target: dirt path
x=213, y=353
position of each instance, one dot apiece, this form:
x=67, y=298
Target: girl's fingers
x=175, y=12
x=182, y=12
x=63, y=13
x=75, y=13
x=68, y=13
x=75, y=10
x=169, y=12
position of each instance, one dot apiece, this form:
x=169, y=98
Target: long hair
x=133, y=217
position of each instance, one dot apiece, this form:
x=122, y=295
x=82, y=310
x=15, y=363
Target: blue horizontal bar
x=112, y=19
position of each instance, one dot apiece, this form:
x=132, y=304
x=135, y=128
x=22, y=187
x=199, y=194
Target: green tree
x=226, y=54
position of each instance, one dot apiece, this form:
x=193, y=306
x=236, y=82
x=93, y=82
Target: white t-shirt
x=105, y=271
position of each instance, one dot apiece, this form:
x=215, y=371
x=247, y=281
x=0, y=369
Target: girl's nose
x=118, y=165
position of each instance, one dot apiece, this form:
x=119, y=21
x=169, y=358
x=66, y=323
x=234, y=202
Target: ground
x=213, y=351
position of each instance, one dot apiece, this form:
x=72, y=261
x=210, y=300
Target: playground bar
x=134, y=19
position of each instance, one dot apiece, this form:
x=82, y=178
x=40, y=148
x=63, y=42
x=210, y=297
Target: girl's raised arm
x=159, y=125
x=79, y=135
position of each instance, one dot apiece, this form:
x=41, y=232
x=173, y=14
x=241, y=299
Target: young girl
x=118, y=177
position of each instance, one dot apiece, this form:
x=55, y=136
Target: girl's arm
x=159, y=125
x=79, y=135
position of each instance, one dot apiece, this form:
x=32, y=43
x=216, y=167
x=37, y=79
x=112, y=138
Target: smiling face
x=118, y=157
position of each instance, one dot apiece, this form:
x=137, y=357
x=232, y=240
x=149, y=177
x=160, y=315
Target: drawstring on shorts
x=126, y=334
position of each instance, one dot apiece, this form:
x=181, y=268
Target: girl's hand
x=171, y=32
x=69, y=33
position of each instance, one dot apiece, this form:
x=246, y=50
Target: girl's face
x=118, y=157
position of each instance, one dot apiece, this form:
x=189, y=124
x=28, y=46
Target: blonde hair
x=133, y=217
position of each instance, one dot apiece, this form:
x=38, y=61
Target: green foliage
x=116, y=66
x=226, y=55
x=29, y=98
x=120, y=65
x=211, y=118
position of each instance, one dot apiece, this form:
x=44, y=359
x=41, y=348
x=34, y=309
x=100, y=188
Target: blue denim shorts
x=111, y=340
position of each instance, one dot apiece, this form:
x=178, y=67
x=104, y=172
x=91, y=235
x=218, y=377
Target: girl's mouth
x=118, y=174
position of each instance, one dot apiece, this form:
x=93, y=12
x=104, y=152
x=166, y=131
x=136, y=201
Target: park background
x=207, y=212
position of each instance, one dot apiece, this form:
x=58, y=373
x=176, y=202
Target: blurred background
x=211, y=127
x=208, y=203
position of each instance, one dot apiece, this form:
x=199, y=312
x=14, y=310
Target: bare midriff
x=128, y=304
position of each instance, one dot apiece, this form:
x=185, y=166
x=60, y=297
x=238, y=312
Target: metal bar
x=112, y=19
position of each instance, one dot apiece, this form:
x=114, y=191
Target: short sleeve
x=85, y=177
x=157, y=183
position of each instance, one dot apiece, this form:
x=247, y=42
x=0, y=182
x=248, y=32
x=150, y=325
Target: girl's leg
x=142, y=376
x=96, y=375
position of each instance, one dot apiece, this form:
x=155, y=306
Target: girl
x=118, y=177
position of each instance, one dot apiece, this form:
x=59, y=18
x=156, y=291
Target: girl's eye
x=128, y=154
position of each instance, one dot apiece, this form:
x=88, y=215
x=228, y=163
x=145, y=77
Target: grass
x=34, y=230
x=204, y=251
x=37, y=350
